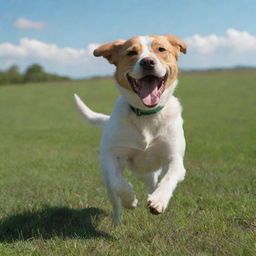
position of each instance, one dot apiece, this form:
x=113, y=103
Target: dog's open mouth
x=149, y=88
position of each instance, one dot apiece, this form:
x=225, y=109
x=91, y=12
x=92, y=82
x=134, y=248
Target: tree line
x=33, y=73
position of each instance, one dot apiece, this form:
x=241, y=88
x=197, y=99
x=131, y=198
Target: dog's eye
x=132, y=53
x=161, y=49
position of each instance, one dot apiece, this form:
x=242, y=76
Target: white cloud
x=235, y=40
x=66, y=60
x=235, y=48
x=39, y=50
x=23, y=23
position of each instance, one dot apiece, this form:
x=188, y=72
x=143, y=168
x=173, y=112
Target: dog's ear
x=109, y=51
x=177, y=43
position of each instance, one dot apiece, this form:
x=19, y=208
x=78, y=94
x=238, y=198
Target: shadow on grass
x=51, y=222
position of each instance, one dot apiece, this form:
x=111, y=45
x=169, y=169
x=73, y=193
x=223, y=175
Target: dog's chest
x=152, y=158
x=148, y=147
x=151, y=132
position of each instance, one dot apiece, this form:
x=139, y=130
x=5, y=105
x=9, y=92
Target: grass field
x=53, y=202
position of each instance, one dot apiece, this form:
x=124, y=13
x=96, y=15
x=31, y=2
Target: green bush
x=33, y=73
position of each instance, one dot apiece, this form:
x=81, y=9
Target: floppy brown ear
x=177, y=43
x=109, y=51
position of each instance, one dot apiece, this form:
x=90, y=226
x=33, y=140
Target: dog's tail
x=90, y=116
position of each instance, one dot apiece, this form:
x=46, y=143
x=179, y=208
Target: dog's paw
x=130, y=204
x=127, y=196
x=156, y=203
x=116, y=220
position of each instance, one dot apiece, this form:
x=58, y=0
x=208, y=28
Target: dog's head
x=146, y=66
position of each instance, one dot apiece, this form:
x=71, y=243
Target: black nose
x=148, y=63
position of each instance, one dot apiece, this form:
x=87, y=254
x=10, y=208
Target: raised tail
x=90, y=116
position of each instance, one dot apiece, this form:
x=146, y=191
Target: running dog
x=145, y=130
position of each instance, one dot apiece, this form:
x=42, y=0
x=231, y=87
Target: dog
x=145, y=130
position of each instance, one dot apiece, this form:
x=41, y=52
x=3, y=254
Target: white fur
x=145, y=145
x=160, y=69
x=89, y=115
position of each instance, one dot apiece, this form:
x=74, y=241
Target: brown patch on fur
x=126, y=63
x=178, y=43
x=168, y=58
x=117, y=53
x=109, y=51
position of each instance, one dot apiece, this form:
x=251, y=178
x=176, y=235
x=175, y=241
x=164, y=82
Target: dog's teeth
x=136, y=85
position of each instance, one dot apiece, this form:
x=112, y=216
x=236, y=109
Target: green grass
x=53, y=202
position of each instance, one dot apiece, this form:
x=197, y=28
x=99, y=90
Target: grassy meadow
x=52, y=198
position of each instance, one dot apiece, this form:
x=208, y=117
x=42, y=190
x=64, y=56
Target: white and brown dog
x=144, y=133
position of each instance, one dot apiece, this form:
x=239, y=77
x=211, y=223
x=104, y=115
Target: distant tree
x=3, y=78
x=14, y=69
x=35, y=73
x=13, y=75
x=35, y=68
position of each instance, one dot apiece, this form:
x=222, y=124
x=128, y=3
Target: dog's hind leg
x=115, y=201
x=119, y=190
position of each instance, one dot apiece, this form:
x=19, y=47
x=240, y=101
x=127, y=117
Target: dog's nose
x=148, y=63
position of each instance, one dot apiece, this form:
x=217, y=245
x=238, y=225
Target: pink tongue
x=149, y=92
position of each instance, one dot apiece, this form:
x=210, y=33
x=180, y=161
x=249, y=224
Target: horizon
x=181, y=70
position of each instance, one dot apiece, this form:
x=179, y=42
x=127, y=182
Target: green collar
x=140, y=112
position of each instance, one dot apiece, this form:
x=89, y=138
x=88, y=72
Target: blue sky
x=81, y=25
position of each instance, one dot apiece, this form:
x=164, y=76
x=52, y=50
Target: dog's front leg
x=119, y=190
x=174, y=173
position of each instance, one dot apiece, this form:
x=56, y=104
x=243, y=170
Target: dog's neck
x=140, y=112
x=133, y=100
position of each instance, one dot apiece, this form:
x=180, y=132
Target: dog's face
x=146, y=66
